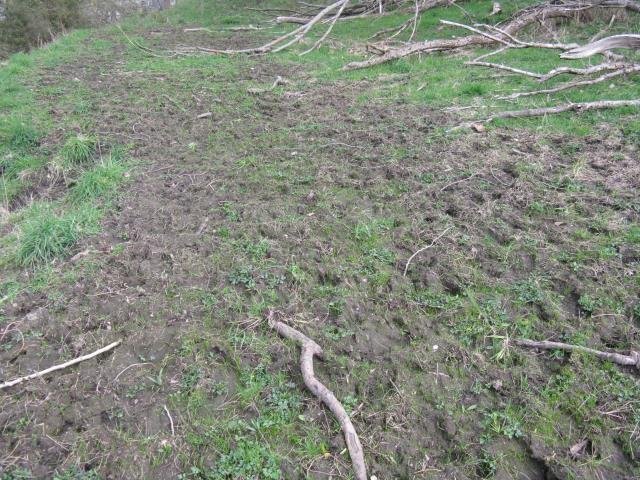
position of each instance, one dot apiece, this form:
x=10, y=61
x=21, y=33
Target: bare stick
x=130, y=366
x=633, y=359
x=173, y=430
x=582, y=71
x=61, y=366
x=406, y=267
x=569, y=107
x=309, y=350
x=567, y=86
x=506, y=68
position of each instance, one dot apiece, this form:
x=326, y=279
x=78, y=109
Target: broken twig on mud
x=61, y=366
x=309, y=350
x=633, y=359
x=406, y=267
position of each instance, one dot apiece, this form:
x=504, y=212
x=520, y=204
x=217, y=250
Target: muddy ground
x=309, y=200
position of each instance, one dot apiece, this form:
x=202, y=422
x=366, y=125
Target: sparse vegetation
x=308, y=198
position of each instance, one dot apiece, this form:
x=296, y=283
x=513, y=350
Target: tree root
x=309, y=350
x=633, y=359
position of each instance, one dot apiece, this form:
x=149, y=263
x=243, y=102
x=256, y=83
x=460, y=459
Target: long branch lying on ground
x=633, y=359
x=309, y=350
x=61, y=366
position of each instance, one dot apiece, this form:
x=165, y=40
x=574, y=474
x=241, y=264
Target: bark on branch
x=60, y=367
x=503, y=33
x=309, y=350
x=633, y=359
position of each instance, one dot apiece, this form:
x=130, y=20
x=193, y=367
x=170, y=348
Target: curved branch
x=309, y=350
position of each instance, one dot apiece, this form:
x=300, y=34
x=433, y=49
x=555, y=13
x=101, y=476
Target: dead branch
x=569, y=107
x=309, y=350
x=582, y=71
x=633, y=359
x=61, y=366
x=583, y=83
x=504, y=32
x=506, y=68
x=604, y=45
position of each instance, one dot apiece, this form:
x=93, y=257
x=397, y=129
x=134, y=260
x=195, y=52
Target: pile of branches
x=503, y=35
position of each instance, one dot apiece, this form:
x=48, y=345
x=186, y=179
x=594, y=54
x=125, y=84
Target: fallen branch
x=583, y=83
x=569, y=107
x=633, y=359
x=604, y=45
x=61, y=366
x=309, y=350
x=502, y=33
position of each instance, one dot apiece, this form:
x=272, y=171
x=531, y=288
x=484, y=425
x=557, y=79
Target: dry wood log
x=633, y=359
x=309, y=350
x=604, y=45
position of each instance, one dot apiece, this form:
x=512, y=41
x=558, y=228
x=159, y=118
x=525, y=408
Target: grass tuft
x=44, y=235
x=78, y=149
x=19, y=135
x=101, y=181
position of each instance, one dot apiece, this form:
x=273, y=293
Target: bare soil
x=302, y=166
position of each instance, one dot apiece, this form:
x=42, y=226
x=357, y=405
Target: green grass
x=46, y=235
x=78, y=149
x=102, y=181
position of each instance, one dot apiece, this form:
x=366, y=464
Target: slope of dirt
x=309, y=199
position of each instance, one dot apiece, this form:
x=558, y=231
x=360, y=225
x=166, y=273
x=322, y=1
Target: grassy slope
x=265, y=420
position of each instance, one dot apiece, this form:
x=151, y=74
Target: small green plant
x=74, y=473
x=243, y=276
x=230, y=212
x=507, y=423
x=16, y=474
x=336, y=333
x=78, y=149
x=257, y=250
x=588, y=303
x=191, y=378
x=45, y=235
x=249, y=459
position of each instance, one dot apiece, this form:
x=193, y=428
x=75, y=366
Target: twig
x=131, y=366
x=406, y=267
x=173, y=431
x=499, y=66
x=61, y=366
x=633, y=359
x=309, y=350
x=448, y=185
